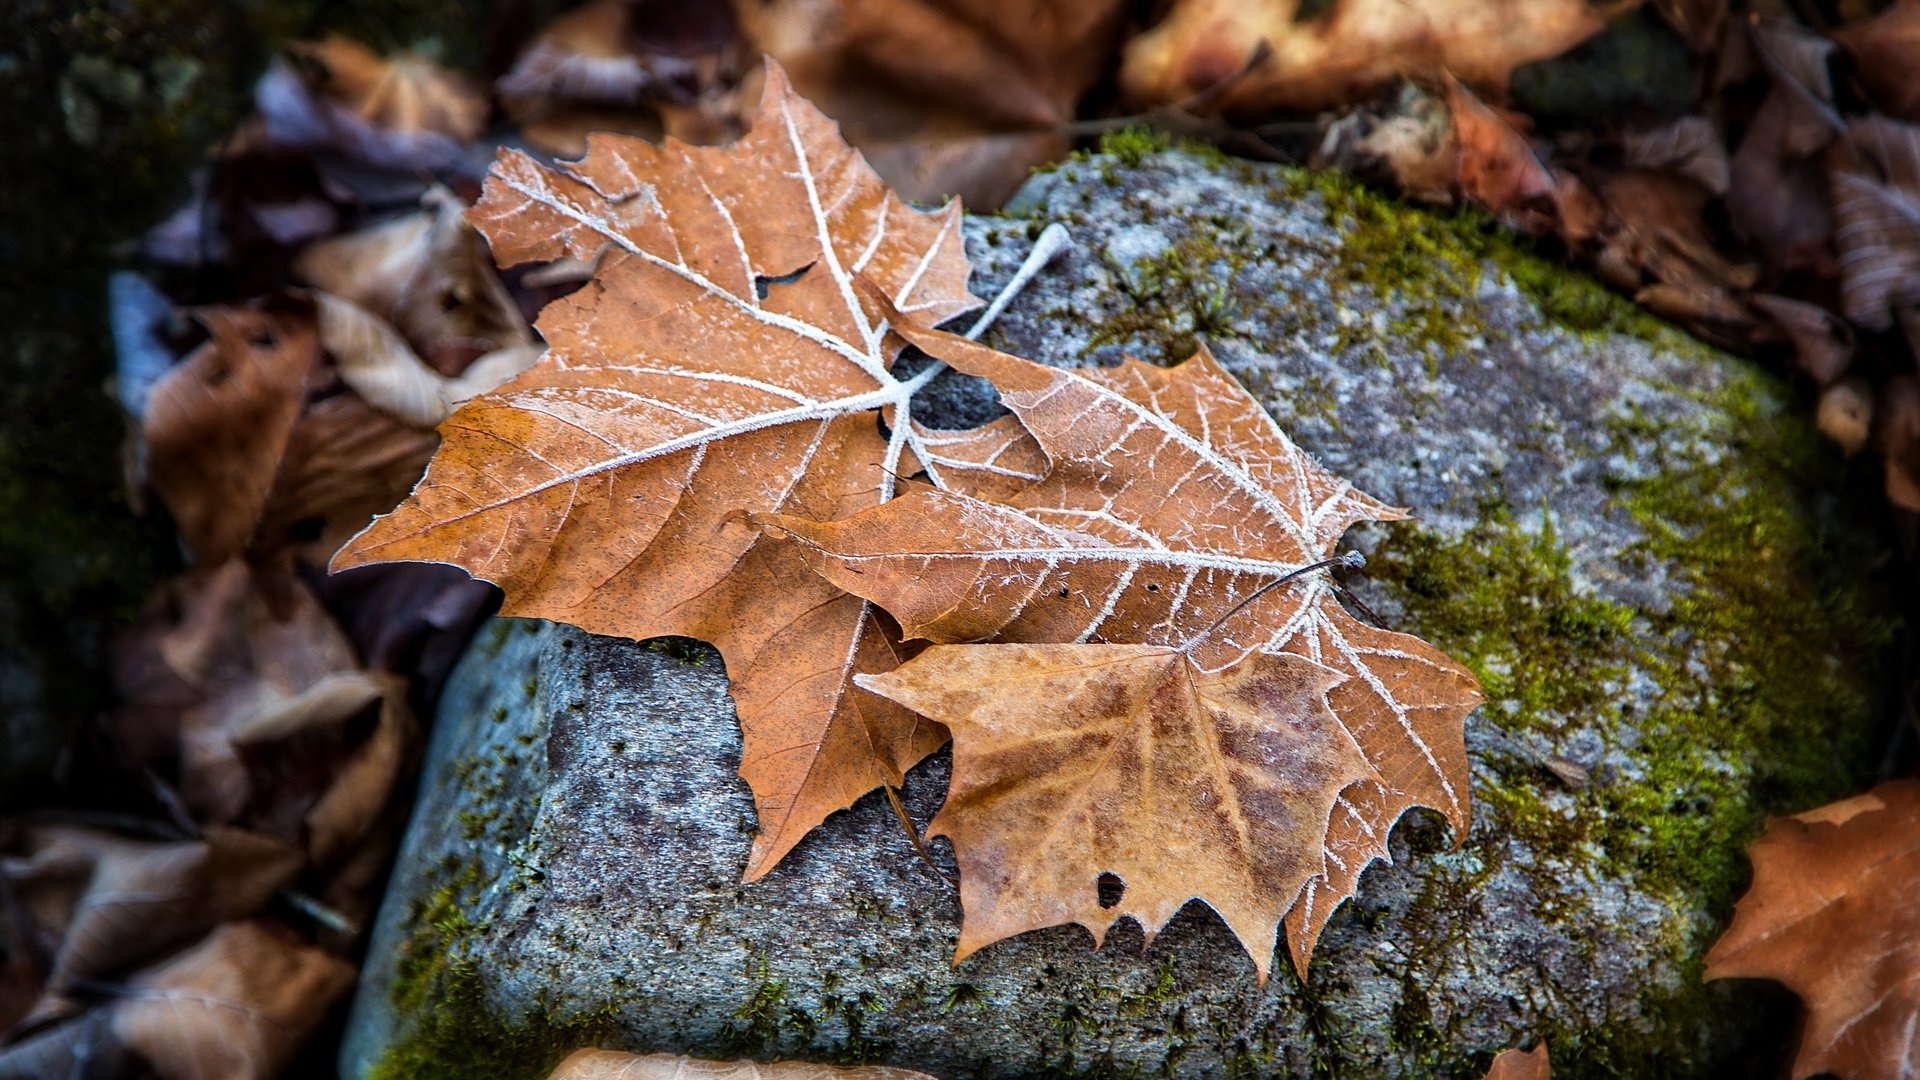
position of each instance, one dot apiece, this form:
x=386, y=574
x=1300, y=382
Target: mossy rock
x=1634, y=540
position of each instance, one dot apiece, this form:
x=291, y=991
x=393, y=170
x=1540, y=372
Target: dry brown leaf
x=1519, y=1064
x=381, y=367
x=254, y=450
x=1876, y=209
x=1845, y=414
x=1830, y=914
x=217, y=426
x=1776, y=193
x=1822, y=344
x=1898, y=437
x=992, y=461
x=405, y=112
x=1098, y=552
x=615, y=1065
x=237, y=1006
x=1348, y=52
x=948, y=97
x=606, y=486
x=110, y=903
x=1886, y=51
x=430, y=275
x=1496, y=166
x=1183, y=782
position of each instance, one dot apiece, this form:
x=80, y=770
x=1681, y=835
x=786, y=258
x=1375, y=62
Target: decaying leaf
x=1876, y=210
x=1172, y=498
x=404, y=112
x=614, y=1065
x=237, y=1006
x=1886, y=49
x=428, y=274
x=1830, y=914
x=104, y=903
x=1520, y=1064
x=1184, y=783
x=1347, y=52
x=945, y=97
x=254, y=450
x=720, y=363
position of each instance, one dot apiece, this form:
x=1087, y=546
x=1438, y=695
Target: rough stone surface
x=1620, y=532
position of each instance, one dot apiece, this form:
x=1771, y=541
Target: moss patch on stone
x=1749, y=714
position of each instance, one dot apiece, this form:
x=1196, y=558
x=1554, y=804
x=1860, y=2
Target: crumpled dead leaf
x=237, y=1006
x=1830, y=915
x=1182, y=782
x=1348, y=52
x=1886, y=52
x=615, y=1065
x=402, y=113
x=1876, y=209
x=100, y=904
x=430, y=275
x=947, y=97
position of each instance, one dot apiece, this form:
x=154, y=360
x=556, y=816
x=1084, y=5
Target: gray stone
x=1619, y=529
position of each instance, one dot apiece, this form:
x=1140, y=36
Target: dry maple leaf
x=720, y=362
x=1831, y=915
x=614, y=1065
x=1172, y=498
x=1348, y=52
x=403, y=112
x=1182, y=782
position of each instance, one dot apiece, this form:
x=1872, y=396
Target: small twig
x=329, y=917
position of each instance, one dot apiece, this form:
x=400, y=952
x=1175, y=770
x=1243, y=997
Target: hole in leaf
x=1153, y=586
x=763, y=283
x=1111, y=890
x=1063, y=593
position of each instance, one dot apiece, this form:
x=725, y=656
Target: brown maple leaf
x=1172, y=500
x=1831, y=915
x=1347, y=52
x=720, y=362
x=1184, y=783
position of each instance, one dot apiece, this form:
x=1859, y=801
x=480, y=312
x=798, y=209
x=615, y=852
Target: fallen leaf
x=111, y=903
x=614, y=1065
x=1822, y=344
x=1898, y=439
x=1876, y=209
x=992, y=461
x=1184, y=783
x=1886, y=49
x=256, y=452
x=238, y=1006
x=1348, y=52
x=430, y=275
x=948, y=97
x=1690, y=146
x=1519, y=1064
x=217, y=425
x=1102, y=550
x=606, y=486
x=1496, y=166
x=379, y=365
x=403, y=113
x=1830, y=915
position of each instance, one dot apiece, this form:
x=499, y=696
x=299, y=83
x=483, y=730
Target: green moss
x=1180, y=296
x=1131, y=145
x=1433, y=263
x=1742, y=713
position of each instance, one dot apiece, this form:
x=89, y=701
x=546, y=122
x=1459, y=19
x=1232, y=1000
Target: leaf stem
x=1351, y=560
